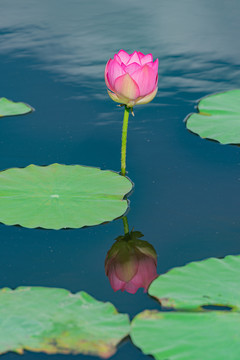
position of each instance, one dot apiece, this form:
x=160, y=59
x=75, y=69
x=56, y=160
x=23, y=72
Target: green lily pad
x=61, y=196
x=211, y=335
x=55, y=321
x=218, y=118
x=208, y=282
x=11, y=108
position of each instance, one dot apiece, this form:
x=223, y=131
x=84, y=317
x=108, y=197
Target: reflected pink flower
x=131, y=263
x=132, y=78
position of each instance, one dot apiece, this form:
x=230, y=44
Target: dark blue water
x=187, y=190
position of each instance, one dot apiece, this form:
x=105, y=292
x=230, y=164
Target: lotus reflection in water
x=131, y=263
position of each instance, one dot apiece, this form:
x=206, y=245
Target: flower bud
x=132, y=79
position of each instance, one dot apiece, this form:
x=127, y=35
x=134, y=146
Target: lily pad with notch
x=201, y=283
x=218, y=118
x=61, y=196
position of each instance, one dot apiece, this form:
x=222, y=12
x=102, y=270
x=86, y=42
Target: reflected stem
x=125, y=225
x=124, y=140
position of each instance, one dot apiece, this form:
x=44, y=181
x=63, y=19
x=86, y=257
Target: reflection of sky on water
x=74, y=39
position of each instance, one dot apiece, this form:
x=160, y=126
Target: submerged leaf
x=61, y=196
x=11, y=108
x=208, y=282
x=56, y=321
x=218, y=118
x=213, y=335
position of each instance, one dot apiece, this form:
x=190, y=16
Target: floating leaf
x=56, y=321
x=208, y=282
x=61, y=196
x=10, y=108
x=208, y=335
x=211, y=335
x=218, y=118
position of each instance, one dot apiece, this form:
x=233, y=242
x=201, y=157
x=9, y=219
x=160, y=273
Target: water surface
x=186, y=198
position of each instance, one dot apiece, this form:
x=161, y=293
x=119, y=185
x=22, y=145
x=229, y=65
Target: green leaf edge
x=87, y=297
x=124, y=198
x=158, y=315
x=168, y=304
x=29, y=107
x=198, y=107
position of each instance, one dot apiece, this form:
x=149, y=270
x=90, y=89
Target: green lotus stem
x=124, y=140
x=125, y=225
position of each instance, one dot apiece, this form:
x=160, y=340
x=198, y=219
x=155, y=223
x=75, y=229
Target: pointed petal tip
x=124, y=56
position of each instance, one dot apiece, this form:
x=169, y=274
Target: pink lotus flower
x=132, y=79
x=131, y=263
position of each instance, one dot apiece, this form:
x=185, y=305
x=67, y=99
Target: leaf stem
x=125, y=225
x=124, y=140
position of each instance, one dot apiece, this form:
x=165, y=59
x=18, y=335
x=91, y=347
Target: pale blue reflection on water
x=186, y=198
